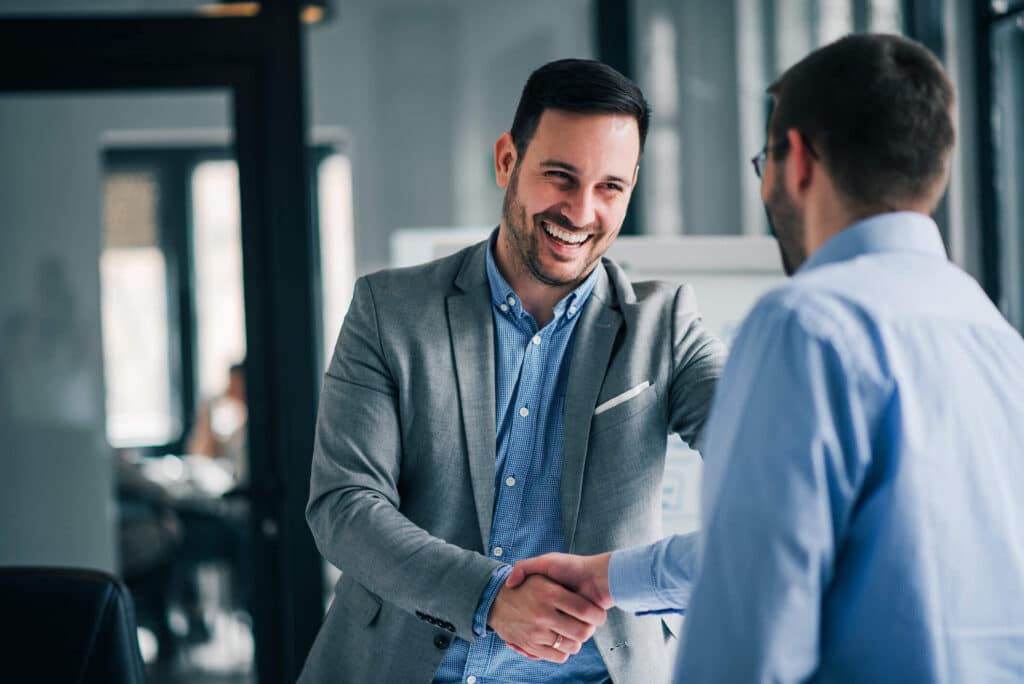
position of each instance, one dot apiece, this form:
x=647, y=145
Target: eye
x=560, y=175
x=613, y=187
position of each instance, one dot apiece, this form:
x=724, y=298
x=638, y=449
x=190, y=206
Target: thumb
x=516, y=577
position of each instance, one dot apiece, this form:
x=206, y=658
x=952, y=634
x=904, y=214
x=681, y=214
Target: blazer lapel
x=594, y=337
x=471, y=328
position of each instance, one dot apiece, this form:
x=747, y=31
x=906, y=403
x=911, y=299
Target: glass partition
x=115, y=457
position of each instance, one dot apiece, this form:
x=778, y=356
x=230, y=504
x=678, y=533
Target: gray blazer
x=402, y=490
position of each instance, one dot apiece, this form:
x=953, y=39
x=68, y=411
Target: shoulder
x=815, y=305
x=657, y=309
x=431, y=280
x=805, y=312
x=647, y=293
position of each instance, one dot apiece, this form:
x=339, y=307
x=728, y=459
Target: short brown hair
x=878, y=110
x=582, y=86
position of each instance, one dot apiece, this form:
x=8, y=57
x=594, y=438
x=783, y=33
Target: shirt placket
x=509, y=501
x=519, y=452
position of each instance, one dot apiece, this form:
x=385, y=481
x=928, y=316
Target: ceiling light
x=311, y=11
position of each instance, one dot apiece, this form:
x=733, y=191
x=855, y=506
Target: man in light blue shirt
x=862, y=507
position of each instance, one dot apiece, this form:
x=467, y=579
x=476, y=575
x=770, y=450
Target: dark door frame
x=259, y=61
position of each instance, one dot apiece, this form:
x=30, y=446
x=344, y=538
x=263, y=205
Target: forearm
x=355, y=518
x=367, y=538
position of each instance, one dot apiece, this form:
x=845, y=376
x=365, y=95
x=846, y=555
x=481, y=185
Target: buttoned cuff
x=487, y=598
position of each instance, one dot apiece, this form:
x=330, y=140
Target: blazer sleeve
x=698, y=362
x=353, y=508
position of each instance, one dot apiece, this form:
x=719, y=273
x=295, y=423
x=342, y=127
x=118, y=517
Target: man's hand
x=586, y=575
x=542, y=620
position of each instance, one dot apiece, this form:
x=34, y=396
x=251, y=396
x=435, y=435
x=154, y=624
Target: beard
x=525, y=239
x=786, y=224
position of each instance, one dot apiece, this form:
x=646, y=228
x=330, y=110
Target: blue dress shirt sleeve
x=656, y=578
x=788, y=447
x=497, y=580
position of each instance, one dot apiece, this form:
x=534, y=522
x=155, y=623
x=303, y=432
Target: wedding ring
x=558, y=642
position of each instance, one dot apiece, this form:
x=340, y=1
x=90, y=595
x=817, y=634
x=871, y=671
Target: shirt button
x=442, y=642
x=470, y=679
x=511, y=301
x=503, y=307
x=572, y=310
x=498, y=551
x=536, y=339
x=524, y=412
x=510, y=481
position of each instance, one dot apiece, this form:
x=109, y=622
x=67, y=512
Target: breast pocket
x=622, y=407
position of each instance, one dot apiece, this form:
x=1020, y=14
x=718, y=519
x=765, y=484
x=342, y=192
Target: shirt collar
x=505, y=298
x=898, y=231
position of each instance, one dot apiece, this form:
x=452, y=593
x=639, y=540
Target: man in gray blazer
x=507, y=401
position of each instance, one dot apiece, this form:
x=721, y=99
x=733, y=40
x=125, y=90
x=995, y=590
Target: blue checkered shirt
x=531, y=376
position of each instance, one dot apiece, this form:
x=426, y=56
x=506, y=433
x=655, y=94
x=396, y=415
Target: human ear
x=505, y=158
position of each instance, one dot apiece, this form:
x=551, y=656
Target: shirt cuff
x=634, y=583
x=487, y=598
x=631, y=580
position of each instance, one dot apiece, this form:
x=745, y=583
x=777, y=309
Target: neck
x=538, y=299
x=827, y=215
x=819, y=229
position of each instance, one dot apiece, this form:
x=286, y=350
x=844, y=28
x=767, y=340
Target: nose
x=580, y=207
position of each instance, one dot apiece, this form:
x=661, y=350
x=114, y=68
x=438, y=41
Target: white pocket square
x=621, y=398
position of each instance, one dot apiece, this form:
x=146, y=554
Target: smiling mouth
x=564, y=236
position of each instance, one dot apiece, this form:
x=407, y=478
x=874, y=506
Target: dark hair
x=877, y=109
x=583, y=86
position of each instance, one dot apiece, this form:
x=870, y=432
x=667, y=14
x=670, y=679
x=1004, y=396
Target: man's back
x=876, y=488
x=936, y=537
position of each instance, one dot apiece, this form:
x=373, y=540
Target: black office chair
x=67, y=625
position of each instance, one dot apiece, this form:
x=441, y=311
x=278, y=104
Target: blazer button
x=442, y=642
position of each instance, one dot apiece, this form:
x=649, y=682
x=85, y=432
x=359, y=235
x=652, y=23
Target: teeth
x=565, y=235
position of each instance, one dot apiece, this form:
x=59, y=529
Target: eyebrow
x=554, y=163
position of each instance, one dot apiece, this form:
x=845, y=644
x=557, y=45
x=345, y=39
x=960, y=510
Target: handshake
x=550, y=605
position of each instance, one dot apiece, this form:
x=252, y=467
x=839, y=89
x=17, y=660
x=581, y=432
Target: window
x=172, y=286
x=136, y=325
x=337, y=260
x=217, y=258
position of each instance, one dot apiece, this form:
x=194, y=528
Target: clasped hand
x=550, y=605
